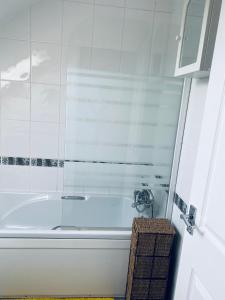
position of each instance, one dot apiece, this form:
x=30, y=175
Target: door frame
x=178, y=146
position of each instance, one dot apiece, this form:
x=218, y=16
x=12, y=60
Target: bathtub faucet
x=143, y=200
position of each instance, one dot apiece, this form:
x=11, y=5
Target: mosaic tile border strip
x=34, y=162
x=40, y=162
x=59, y=163
x=47, y=162
x=18, y=161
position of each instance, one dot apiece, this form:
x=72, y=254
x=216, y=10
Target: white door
x=201, y=274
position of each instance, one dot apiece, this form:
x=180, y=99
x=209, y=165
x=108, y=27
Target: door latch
x=189, y=219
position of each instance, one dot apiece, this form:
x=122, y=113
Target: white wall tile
x=160, y=59
x=120, y=3
x=77, y=23
x=74, y=60
x=62, y=113
x=14, y=60
x=14, y=178
x=61, y=141
x=44, y=140
x=141, y=4
x=60, y=183
x=14, y=20
x=45, y=102
x=137, y=41
x=43, y=179
x=138, y=30
x=15, y=138
x=15, y=100
x=105, y=60
x=108, y=27
x=130, y=63
x=165, y=5
x=45, y=63
x=46, y=21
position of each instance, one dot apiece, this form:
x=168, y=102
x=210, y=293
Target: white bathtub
x=38, y=261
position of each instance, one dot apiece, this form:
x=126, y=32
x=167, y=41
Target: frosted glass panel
x=122, y=107
x=120, y=134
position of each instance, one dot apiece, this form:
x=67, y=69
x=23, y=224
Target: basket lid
x=147, y=225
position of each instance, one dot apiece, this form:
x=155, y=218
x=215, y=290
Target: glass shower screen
x=122, y=107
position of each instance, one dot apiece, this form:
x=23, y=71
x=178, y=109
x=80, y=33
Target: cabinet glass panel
x=192, y=32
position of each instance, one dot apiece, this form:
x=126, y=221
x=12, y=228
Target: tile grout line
x=92, y=37
x=122, y=37
x=152, y=38
x=61, y=104
x=30, y=88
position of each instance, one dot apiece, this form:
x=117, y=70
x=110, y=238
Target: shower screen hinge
x=189, y=219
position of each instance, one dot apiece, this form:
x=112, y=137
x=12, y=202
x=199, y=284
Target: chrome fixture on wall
x=143, y=200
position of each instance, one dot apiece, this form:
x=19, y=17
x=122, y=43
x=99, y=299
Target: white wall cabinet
x=197, y=37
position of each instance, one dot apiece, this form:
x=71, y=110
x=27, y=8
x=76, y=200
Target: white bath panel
x=93, y=268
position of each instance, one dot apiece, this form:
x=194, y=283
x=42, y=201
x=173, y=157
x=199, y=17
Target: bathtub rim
x=66, y=234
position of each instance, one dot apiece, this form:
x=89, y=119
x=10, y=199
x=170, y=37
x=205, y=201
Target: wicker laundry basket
x=150, y=254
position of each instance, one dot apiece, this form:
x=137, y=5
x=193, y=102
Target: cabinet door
x=198, y=32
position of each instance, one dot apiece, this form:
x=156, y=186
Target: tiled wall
x=43, y=45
